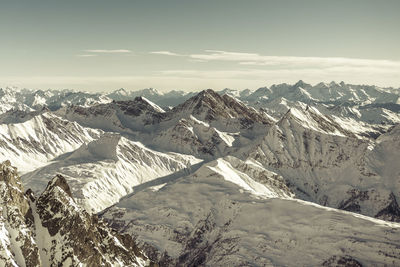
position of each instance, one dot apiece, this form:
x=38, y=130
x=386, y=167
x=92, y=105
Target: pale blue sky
x=104, y=45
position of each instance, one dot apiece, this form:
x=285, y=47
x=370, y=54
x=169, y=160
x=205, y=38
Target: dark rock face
x=391, y=212
x=15, y=213
x=353, y=203
x=140, y=106
x=85, y=238
x=74, y=236
x=341, y=261
x=59, y=181
x=215, y=106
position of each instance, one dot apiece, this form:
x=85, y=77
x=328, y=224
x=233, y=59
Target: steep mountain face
x=211, y=107
x=31, y=140
x=139, y=114
x=207, y=125
x=235, y=226
x=53, y=231
x=106, y=169
x=328, y=165
x=17, y=245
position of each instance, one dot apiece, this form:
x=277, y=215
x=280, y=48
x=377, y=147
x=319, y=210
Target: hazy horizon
x=161, y=90
x=193, y=45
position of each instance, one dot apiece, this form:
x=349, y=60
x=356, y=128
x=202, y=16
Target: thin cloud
x=108, y=51
x=166, y=53
x=367, y=75
x=254, y=59
x=87, y=55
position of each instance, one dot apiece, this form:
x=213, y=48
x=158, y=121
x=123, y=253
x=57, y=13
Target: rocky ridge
x=51, y=230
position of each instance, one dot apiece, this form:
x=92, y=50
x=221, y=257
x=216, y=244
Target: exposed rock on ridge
x=53, y=231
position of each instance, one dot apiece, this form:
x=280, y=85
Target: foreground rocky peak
x=17, y=244
x=59, y=182
x=53, y=230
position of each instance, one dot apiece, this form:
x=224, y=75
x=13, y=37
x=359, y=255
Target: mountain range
x=286, y=175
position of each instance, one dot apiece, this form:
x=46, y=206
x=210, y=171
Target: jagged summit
x=6, y=169
x=59, y=181
x=333, y=83
x=302, y=84
x=138, y=106
x=206, y=98
x=121, y=91
x=208, y=105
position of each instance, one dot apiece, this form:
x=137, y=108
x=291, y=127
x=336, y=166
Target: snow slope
x=35, y=139
x=106, y=169
x=233, y=226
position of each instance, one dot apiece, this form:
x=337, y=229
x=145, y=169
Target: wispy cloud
x=166, y=53
x=366, y=75
x=108, y=51
x=254, y=59
x=87, y=55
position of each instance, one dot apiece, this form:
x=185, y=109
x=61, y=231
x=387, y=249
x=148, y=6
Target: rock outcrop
x=52, y=230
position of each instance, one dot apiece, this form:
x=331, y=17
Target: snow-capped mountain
x=31, y=139
x=322, y=92
x=52, y=230
x=206, y=125
x=102, y=171
x=368, y=108
x=204, y=178
x=328, y=165
x=28, y=99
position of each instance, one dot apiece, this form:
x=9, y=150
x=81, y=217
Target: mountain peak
x=322, y=84
x=310, y=117
x=138, y=106
x=301, y=83
x=208, y=92
x=206, y=98
x=333, y=83
x=211, y=106
x=121, y=91
x=150, y=91
x=61, y=182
